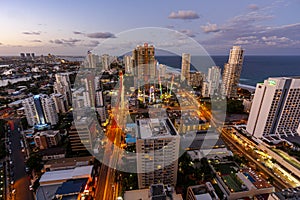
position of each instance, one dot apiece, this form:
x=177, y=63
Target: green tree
x=35, y=162
x=235, y=106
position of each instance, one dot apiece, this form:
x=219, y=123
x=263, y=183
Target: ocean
x=255, y=68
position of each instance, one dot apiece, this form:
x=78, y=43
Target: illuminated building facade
x=275, y=109
x=40, y=110
x=62, y=85
x=90, y=90
x=157, y=148
x=144, y=62
x=185, y=67
x=232, y=72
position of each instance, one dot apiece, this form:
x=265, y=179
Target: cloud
x=184, y=14
x=188, y=32
x=251, y=29
x=56, y=41
x=35, y=41
x=253, y=7
x=92, y=43
x=102, y=35
x=31, y=33
x=1, y=43
x=210, y=28
x=245, y=25
x=71, y=40
x=246, y=40
x=274, y=40
x=77, y=32
x=65, y=42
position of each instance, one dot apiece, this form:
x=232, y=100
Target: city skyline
x=158, y=135
x=162, y=107
x=262, y=28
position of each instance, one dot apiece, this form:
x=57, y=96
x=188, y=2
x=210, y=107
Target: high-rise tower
x=40, y=110
x=275, y=109
x=92, y=60
x=185, y=67
x=105, y=61
x=232, y=72
x=62, y=85
x=90, y=89
x=213, y=78
x=157, y=148
x=144, y=62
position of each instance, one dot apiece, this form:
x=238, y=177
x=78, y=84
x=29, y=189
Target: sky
x=66, y=27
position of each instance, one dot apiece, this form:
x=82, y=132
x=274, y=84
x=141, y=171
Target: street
x=106, y=183
x=21, y=181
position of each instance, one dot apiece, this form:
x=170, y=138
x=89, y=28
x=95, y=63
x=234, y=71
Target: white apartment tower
x=128, y=62
x=232, y=72
x=105, y=61
x=185, y=67
x=162, y=69
x=49, y=109
x=40, y=109
x=275, y=109
x=92, y=60
x=60, y=103
x=62, y=86
x=213, y=79
x=30, y=111
x=98, y=82
x=157, y=149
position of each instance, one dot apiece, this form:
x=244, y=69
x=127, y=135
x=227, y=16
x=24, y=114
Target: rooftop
x=150, y=128
x=47, y=133
x=46, y=192
x=15, y=103
x=69, y=162
x=53, y=177
x=205, y=196
x=71, y=187
x=157, y=189
x=203, y=192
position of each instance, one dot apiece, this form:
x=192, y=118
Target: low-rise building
x=47, y=139
x=238, y=183
x=286, y=194
x=68, y=163
x=72, y=189
x=54, y=182
x=215, y=153
x=154, y=192
x=204, y=192
x=52, y=153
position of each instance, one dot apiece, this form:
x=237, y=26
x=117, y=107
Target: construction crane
x=171, y=87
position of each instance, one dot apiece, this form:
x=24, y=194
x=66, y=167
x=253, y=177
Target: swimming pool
x=249, y=177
